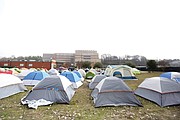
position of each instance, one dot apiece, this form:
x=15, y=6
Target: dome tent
x=135, y=71
x=122, y=71
x=171, y=75
x=112, y=91
x=90, y=74
x=83, y=73
x=161, y=90
x=23, y=73
x=10, y=85
x=53, y=71
x=96, y=79
x=79, y=75
x=52, y=89
x=34, y=77
x=73, y=78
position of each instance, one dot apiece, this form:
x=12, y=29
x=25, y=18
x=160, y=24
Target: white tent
x=23, y=73
x=10, y=85
x=122, y=71
x=83, y=73
x=53, y=71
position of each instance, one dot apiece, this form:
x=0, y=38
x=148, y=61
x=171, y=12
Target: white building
x=86, y=55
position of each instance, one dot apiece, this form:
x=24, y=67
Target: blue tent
x=73, y=77
x=34, y=77
x=79, y=75
x=171, y=75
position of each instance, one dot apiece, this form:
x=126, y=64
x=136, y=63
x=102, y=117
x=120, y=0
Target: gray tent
x=112, y=91
x=96, y=79
x=163, y=91
x=55, y=88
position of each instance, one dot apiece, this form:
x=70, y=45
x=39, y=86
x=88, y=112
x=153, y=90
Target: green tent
x=90, y=75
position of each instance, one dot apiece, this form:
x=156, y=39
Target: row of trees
x=20, y=58
x=135, y=60
x=151, y=65
x=85, y=64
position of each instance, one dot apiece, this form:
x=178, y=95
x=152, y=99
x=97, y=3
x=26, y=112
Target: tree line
x=21, y=58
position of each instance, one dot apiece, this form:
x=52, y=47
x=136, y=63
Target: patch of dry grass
x=81, y=108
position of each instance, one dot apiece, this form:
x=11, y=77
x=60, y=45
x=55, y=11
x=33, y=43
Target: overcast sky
x=150, y=28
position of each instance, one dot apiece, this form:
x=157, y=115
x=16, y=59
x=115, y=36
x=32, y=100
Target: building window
x=30, y=65
x=86, y=57
x=5, y=64
x=21, y=64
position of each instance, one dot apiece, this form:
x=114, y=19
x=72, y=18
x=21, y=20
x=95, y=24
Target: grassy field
x=81, y=108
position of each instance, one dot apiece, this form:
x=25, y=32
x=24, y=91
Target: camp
x=96, y=79
x=34, y=77
x=121, y=71
x=112, y=91
x=55, y=88
x=161, y=90
x=10, y=85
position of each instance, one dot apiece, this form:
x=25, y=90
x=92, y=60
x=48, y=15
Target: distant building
x=86, y=55
x=60, y=58
x=48, y=57
x=73, y=58
x=64, y=57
